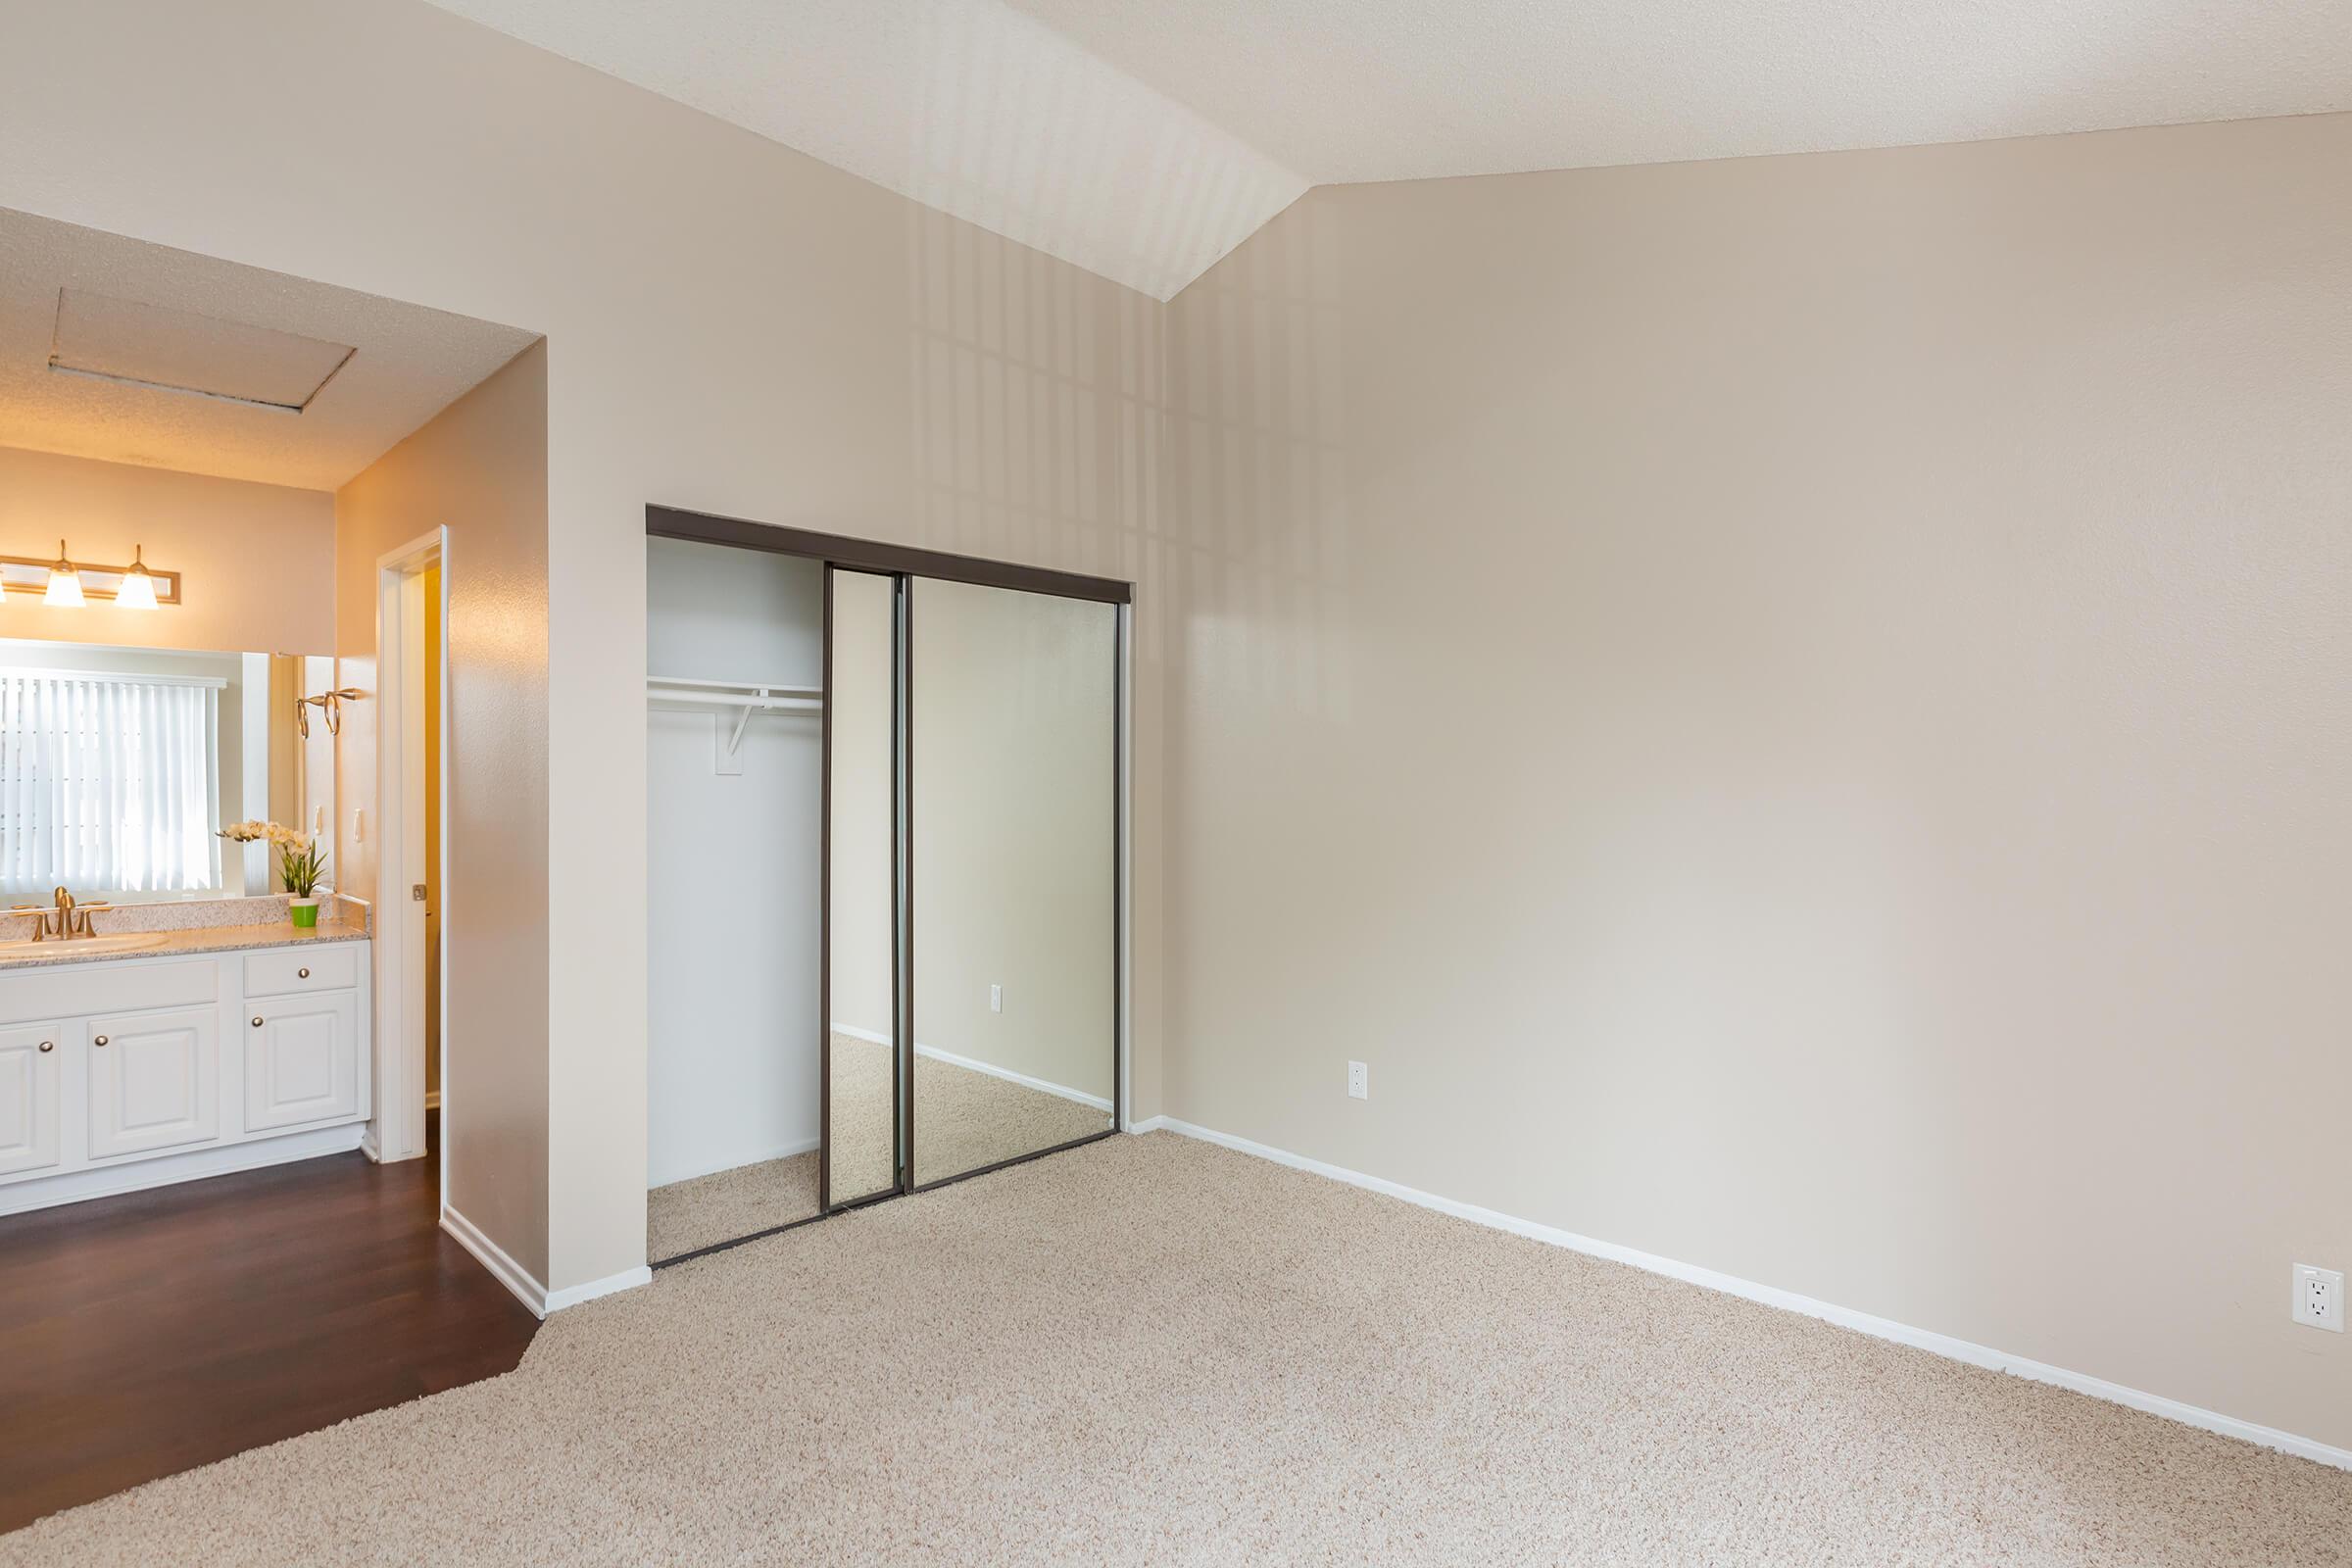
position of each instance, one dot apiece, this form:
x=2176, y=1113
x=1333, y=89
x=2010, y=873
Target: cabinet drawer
x=78, y=990
x=291, y=971
x=30, y=1088
x=302, y=1061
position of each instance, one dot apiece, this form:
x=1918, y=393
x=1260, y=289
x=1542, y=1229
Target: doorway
x=411, y=863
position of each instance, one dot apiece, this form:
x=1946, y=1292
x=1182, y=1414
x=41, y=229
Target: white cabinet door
x=154, y=1081
x=30, y=1088
x=301, y=1060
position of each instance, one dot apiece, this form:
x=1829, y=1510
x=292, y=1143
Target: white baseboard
x=783, y=1150
x=492, y=1257
x=991, y=1069
x=575, y=1295
x=1943, y=1344
x=1060, y=1091
x=168, y=1170
x=517, y=1278
x=1151, y=1124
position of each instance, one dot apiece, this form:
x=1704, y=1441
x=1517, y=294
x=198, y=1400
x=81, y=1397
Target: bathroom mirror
x=120, y=765
x=1012, y=784
x=864, y=1000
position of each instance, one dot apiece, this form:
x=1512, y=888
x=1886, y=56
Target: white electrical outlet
x=1360, y=1081
x=996, y=999
x=2320, y=1297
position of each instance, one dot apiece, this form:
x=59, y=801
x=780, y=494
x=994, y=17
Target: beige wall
x=478, y=469
x=257, y=560
x=1792, y=710
x=732, y=326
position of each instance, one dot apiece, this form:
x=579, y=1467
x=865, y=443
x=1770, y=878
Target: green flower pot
x=305, y=911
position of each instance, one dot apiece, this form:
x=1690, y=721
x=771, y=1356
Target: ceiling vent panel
x=181, y=351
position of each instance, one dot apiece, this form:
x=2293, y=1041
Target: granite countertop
x=202, y=939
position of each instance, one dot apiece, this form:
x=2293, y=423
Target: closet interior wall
x=733, y=932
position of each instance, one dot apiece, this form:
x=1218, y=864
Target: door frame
x=400, y=948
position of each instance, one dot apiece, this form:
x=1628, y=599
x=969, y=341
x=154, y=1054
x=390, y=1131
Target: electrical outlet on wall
x=2320, y=1297
x=996, y=999
x=1360, y=1081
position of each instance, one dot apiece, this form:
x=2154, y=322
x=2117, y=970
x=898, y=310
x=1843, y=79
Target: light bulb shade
x=137, y=591
x=64, y=586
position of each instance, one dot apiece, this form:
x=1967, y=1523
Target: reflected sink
x=77, y=947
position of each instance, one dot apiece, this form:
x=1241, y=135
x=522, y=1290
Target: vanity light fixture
x=137, y=590
x=67, y=581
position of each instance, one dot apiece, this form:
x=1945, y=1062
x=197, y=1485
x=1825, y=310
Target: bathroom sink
x=77, y=947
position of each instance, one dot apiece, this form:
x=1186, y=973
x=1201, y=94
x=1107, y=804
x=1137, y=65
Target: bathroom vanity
x=135, y=1059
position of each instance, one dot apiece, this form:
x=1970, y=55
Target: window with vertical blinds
x=108, y=783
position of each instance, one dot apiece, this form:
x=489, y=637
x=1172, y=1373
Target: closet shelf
x=745, y=697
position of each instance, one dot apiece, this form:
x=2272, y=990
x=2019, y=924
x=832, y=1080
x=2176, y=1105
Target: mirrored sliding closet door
x=1013, y=789
x=864, y=1105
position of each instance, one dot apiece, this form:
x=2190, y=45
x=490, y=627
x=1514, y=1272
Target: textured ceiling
x=1145, y=139
x=407, y=364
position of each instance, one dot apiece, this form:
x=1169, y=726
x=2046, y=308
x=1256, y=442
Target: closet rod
x=762, y=688
x=744, y=698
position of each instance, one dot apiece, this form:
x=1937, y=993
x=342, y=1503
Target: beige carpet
x=1149, y=1350
x=963, y=1120
x=743, y=1201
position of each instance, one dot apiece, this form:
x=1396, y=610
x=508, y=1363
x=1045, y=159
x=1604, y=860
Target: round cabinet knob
x=48, y=1044
x=100, y=1041
x=302, y=974
x=257, y=1023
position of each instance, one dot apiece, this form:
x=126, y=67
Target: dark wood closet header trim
x=670, y=522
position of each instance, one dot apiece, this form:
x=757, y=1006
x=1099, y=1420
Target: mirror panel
x=862, y=1000
x=118, y=766
x=1012, y=788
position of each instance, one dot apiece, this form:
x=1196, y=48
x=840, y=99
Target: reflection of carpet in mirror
x=962, y=1120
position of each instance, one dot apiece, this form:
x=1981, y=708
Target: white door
x=301, y=1060
x=154, y=1081
x=30, y=1086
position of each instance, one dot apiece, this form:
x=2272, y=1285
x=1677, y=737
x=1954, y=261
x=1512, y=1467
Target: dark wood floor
x=155, y=1332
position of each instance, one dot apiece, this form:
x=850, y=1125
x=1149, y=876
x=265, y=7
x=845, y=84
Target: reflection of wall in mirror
x=861, y=803
x=1015, y=778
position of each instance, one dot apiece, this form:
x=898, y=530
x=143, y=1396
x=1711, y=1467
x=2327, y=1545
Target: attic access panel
x=183, y=351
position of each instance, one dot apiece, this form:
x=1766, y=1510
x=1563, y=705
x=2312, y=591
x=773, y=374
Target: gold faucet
x=71, y=920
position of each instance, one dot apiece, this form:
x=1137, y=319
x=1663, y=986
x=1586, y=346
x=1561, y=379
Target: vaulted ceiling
x=1145, y=139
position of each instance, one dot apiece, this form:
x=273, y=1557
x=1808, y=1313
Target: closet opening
x=886, y=894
